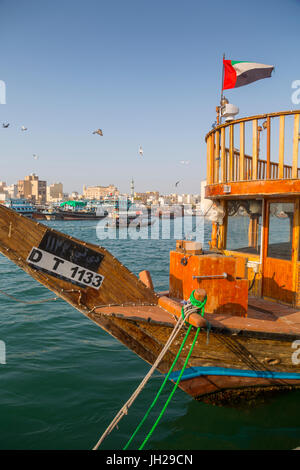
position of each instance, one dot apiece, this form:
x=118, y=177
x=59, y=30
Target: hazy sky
x=145, y=72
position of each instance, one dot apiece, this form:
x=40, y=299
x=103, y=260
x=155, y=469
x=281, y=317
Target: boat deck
x=263, y=316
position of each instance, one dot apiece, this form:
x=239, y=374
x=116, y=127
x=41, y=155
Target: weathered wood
x=268, y=173
x=128, y=310
x=231, y=153
x=295, y=146
x=281, y=146
x=250, y=118
x=241, y=189
x=242, y=151
x=217, y=158
x=208, y=151
x=254, y=149
x=223, y=157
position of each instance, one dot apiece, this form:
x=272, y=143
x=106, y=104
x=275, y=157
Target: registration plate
x=64, y=269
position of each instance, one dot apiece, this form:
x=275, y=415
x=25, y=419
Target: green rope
x=200, y=306
x=198, y=303
x=160, y=390
x=172, y=393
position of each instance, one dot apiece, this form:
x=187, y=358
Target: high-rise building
x=33, y=188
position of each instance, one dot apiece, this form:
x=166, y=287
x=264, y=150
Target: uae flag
x=239, y=73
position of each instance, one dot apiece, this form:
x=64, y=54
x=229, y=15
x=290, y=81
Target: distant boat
x=76, y=210
x=130, y=223
x=22, y=206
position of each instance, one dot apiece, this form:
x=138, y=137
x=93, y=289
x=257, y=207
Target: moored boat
x=250, y=332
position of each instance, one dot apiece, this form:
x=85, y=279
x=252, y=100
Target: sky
x=146, y=72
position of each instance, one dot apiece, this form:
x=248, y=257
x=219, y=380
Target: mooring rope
x=27, y=301
x=124, y=410
x=160, y=390
x=173, y=391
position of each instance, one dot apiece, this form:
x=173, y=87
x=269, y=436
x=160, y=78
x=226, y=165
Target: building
x=148, y=197
x=55, y=192
x=32, y=188
x=99, y=192
x=12, y=191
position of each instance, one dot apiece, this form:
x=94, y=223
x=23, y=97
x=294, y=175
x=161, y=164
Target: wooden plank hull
x=128, y=310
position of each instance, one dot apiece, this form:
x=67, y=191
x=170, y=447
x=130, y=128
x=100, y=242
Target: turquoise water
x=65, y=379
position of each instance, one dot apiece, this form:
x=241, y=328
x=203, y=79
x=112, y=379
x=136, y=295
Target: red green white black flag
x=239, y=73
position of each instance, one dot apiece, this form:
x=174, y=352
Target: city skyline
x=38, y=191
x=147, y=74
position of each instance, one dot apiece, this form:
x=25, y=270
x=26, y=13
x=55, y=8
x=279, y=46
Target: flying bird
x=177, y=183
x=185, y=162
x=141, y=151
x=98, y=131
x=5, y=125
x=35, y=156
x=23, y=128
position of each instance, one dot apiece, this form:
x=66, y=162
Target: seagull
x=23, y=128
x=35, y=156
x=5, y=125
x=184, y=162
x=141, y=151
x=98, y=131
x=177, y=183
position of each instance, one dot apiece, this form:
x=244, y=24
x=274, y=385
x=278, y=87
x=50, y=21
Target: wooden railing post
x=242, y=151
x=212, y=158
x=268, y=173
x=217, y=157
x=255, y=150
x=295, y=146
x=281, y=147
x=231, y=151
x=208, y=145
x=223, y=157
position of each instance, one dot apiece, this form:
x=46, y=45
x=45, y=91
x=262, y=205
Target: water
x=65, y=379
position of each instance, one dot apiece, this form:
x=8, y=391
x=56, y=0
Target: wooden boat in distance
x=250, y=333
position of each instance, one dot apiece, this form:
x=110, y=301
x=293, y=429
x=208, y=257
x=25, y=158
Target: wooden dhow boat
x=250, y=333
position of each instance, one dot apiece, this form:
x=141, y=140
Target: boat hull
x=133, y=314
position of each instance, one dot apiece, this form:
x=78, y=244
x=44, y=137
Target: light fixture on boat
x=228, y=110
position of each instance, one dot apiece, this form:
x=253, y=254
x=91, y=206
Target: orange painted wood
x=254, y=188
x=208, y=144
x=223, y=158
x=146, y=279
x=254, y=149
x=223, y=295
x=217, y=158
x=268, y=174
x=242, y=151
x=174, y=307
x=231, y=152
x=281, y=146
x=211, y=159
x=277, y=273
x=250, y=118
x=295, y=146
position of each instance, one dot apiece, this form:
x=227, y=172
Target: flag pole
x=222, y=89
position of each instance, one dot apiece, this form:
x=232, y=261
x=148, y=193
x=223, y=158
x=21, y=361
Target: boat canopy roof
x=73, y=203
